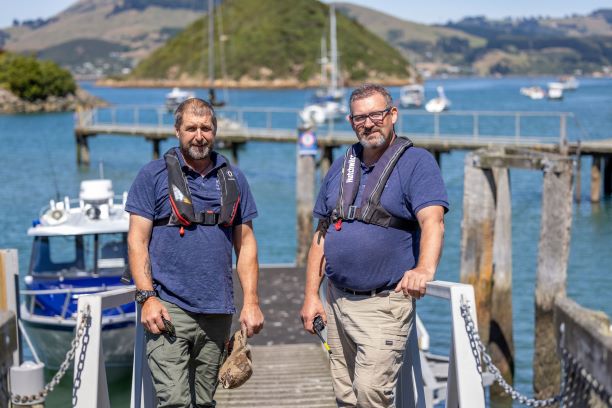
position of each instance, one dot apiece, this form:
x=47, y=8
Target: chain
x=478, y=349
x=21, y=399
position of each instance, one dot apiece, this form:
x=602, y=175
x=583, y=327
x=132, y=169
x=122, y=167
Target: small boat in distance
x=175, y=97
x=555, y=91
x=411, y=96
x=439, y=103
x=569, y=83
x=79, y=247
x=533, y=92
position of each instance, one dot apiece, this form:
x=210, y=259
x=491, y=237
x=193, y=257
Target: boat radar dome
x=96, y=198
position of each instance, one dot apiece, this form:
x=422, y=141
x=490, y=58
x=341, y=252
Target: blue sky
x=439, y=11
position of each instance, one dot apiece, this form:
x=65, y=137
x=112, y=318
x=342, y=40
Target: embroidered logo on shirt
x=388, y=342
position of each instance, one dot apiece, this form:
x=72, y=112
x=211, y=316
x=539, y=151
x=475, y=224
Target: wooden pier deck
x=289, y=375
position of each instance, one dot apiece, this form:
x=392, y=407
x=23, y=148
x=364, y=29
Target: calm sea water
x=39, y=159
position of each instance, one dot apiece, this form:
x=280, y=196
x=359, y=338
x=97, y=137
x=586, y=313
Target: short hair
x=196, y=106
x=366, y=90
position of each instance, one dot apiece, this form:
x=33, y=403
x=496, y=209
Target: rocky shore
x=9, y=103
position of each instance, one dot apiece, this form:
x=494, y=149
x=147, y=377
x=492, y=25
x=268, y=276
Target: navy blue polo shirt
x=194, y=271
x=366, y=256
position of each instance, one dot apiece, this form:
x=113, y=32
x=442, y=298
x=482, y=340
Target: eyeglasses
x=376, y=117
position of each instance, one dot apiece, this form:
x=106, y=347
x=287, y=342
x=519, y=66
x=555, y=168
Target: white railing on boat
x=464, y=387
x=70, y=293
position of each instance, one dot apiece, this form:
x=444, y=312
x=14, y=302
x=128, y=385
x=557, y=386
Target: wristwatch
x=143, y=295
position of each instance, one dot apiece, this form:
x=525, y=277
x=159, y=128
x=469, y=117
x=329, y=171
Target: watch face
x=142, y=295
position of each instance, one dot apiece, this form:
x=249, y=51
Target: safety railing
x=508, y=127
x=90, y=388
x=464, y=386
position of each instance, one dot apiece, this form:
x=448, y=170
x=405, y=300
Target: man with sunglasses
x=379, y=239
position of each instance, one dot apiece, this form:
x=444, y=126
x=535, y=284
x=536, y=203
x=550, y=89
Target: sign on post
x=307, y=142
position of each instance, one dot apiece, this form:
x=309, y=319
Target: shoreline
x=236, y=84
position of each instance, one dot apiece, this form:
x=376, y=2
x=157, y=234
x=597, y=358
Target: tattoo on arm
x=147, y=268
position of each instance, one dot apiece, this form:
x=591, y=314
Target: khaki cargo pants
x=367, y=336
x=185, y=370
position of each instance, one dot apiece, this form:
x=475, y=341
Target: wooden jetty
x=439, y=133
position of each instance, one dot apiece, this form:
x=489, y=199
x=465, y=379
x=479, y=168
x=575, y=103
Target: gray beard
x=379, y=141
x=196, y=154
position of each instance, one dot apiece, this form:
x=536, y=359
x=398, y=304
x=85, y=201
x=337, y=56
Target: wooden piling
x=607, y=181
x=156, y=143
x=327, y=158
x=551, y=275
x=501, y=342
x=477, y=238
x=578, y=178
x=82, y=147
x=305, y=184
x=9, y=268
x=596, y=179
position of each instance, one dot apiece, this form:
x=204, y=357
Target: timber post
x=477, y=237
x=9, y=270
x=486, y=258
x=551, y=275
x=596, y=179
x=304, y=188
x=607, y=181
x=156, y=153
x=82, y=147
x=327, y=158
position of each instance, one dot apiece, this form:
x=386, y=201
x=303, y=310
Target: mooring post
x=82, y=149
x=304, y=187
x=477, y=237
x=155, y=143
x=486, y=259
x=327, y=157
x=607, y=181
x=553, y=251
x=501, y=342
x=577, y=178
x=9, y=270
x=596, y=179
x=234, y=149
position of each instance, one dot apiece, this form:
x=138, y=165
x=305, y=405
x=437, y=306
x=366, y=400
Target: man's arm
x=247, y=266
x=140, y=266
x=313, y=306
x=431, y=221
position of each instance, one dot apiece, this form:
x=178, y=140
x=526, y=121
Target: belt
x=372, y=292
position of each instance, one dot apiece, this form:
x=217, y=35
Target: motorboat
x=569, y=83
x=439, y=103
x=79, y=246
x=412, y=96
x=328, y=102
x=533, y=92
x=175, y=97
x=555, y=91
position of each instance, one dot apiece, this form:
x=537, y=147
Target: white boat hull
x=52, y=337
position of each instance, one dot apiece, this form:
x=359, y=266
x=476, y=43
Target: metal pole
x=211, y=43
x=517, y=126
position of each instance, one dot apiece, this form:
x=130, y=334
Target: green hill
x=274, y=39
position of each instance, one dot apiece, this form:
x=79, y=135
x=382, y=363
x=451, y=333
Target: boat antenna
x=211, y=45
x=101, y=169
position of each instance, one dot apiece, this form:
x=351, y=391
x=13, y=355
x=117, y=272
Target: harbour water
x=39, y=162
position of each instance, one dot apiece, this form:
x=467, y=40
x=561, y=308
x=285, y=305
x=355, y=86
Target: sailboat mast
x=324, y=61
x=211, y=43
x=334, y=49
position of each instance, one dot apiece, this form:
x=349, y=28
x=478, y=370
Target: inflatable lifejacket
x=183, y=213
x=370, y=210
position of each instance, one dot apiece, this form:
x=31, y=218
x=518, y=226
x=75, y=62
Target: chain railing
x=576, y=383
x=80, y=334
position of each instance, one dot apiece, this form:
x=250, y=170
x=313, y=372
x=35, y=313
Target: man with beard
x=379, y=239
x=180, y=256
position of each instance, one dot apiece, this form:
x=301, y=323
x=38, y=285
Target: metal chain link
x=584, y=381
x=478, y=348
x=20, y=399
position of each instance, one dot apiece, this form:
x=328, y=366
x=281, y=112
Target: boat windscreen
x=78, y=254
